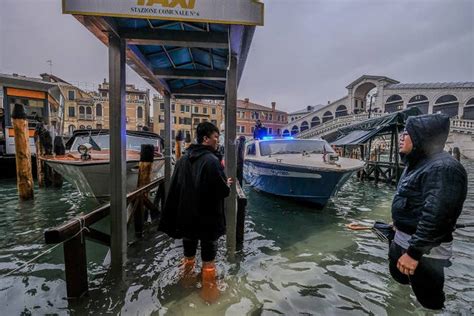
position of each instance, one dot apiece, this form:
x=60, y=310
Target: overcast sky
x=306, y=53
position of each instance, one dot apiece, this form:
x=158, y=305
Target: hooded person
x=428, y=202
x=194, y=207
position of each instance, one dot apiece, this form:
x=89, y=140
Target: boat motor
x=333, y=159
x=84, y=150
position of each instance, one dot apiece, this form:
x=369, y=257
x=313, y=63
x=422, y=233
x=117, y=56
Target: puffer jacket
x=194, y=207
x=432, y=188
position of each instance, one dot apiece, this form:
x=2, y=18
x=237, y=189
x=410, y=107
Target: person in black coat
x=194, y=207
x=428, y=202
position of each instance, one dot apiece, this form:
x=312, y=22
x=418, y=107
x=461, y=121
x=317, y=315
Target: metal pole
x=230, y=154
x=167, y=136
x=118, y=204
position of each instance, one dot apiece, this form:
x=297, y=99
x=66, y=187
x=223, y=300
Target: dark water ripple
x=296, y=260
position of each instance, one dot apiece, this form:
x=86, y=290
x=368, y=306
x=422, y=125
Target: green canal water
x=296, y=260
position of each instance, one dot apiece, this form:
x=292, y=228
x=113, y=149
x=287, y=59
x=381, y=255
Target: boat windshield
x=103, y=141
x=311, y=146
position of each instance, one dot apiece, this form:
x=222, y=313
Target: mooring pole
x=145, y=167
x=40, y=170
x=177, y=144
x=118, y=175
x=230, y=153
x=24, y=175
x=59, y=150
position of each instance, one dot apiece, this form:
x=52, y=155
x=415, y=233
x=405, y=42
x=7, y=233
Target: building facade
x=186, y=115
x=248, y=113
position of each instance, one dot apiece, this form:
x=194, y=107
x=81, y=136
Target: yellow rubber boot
x=188, y=275
x=209, y=292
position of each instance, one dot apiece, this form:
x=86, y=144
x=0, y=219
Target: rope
x=82, y=227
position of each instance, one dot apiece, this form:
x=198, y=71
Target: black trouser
x=427, y=282
x=208, y=248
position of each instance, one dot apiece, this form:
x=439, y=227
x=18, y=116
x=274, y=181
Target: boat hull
x=93, y=179
x=296, y=182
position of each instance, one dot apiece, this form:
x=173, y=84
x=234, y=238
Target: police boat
x=306, y=170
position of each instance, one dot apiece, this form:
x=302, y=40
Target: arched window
x=82, y=112
x=294, y=130
x=89, y=110
x=341, y=110
x=420, y=101
x=394, y=103
x=286, y=133
x=71, y=129
x=327, y=116
x=98, y=110
x=304, y=126
x=447, y=104
x=82, y=127
x=139, y=112
x=469, y=110
x=315, y=121
x=89, y=127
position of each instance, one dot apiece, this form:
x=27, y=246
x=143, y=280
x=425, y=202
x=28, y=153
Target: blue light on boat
x=267, y=137
x=288, y=137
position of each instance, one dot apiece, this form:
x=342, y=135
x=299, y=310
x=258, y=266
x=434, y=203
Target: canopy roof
x=360, y=133
x=175, y=53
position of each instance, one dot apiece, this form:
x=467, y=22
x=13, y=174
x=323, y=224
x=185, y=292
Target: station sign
x=243, y=12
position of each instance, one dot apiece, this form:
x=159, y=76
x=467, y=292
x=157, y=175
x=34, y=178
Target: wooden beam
x=176, y=38
x=204, y=92
x=204, y=74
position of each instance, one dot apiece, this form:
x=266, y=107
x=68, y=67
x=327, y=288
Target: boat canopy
x=361, y=133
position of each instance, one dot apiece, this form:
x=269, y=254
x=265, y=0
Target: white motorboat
x=302, y=169
x=91, y=175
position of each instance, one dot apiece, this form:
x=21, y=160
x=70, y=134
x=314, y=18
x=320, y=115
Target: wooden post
x=75, y=266
x=40, y=170
x=241, y=205
x=144, y=177
x=178, y=140
x=167, y=136
x=59, y=150
x=240, y=159
x=187, y=140
x=24, y=174
x=457, y=153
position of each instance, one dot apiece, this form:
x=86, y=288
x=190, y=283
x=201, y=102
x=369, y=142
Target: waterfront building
x=186, y=115
x=248, y=112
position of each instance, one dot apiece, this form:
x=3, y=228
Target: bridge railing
x=334, y=124
x=462, y=125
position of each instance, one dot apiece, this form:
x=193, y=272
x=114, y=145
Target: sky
x=307, y=52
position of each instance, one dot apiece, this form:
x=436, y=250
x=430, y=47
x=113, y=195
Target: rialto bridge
x=386, y=95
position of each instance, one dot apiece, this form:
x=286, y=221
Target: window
x=98, y=126
x=161, y=118
x=180, y=120
x=103, y=94
x=174, y=119
x=88, y=113
x=82, y=113
x=187, y=120
x=82, y=127
x=98, y=110
x=140, y=112
x=162, y=106
x=173, y=132
x=240, y=129
x=204, y=110
x=89, y=127
x=173, y=107
x=196, y=121
x=270, y=131
x=182, y=108
x=213, y=110
x=196, y=109
x=141, y=97
x=214, y=122
x=71, y=95
x=270, y=117
x=187, y=108
x=71, y=129
x=72, y=111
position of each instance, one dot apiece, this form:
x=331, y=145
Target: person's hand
x=229, y=181
x=407, y=265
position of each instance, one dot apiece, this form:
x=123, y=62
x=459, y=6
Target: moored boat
x=90, y=171
x=302, y=169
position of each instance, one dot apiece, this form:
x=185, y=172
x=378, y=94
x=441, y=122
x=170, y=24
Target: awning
x=361, y=133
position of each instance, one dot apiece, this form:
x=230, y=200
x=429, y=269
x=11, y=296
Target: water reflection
x=295, y=260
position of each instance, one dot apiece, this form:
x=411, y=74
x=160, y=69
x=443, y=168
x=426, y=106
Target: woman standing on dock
x=194, y=208
x=428, y=202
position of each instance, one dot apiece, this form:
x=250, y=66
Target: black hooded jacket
x=194, y=206
x=432, y=189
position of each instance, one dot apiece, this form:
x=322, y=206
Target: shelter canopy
x=361, y=133
x=180, y=47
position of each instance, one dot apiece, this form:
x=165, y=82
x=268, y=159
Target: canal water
x=296, y=260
